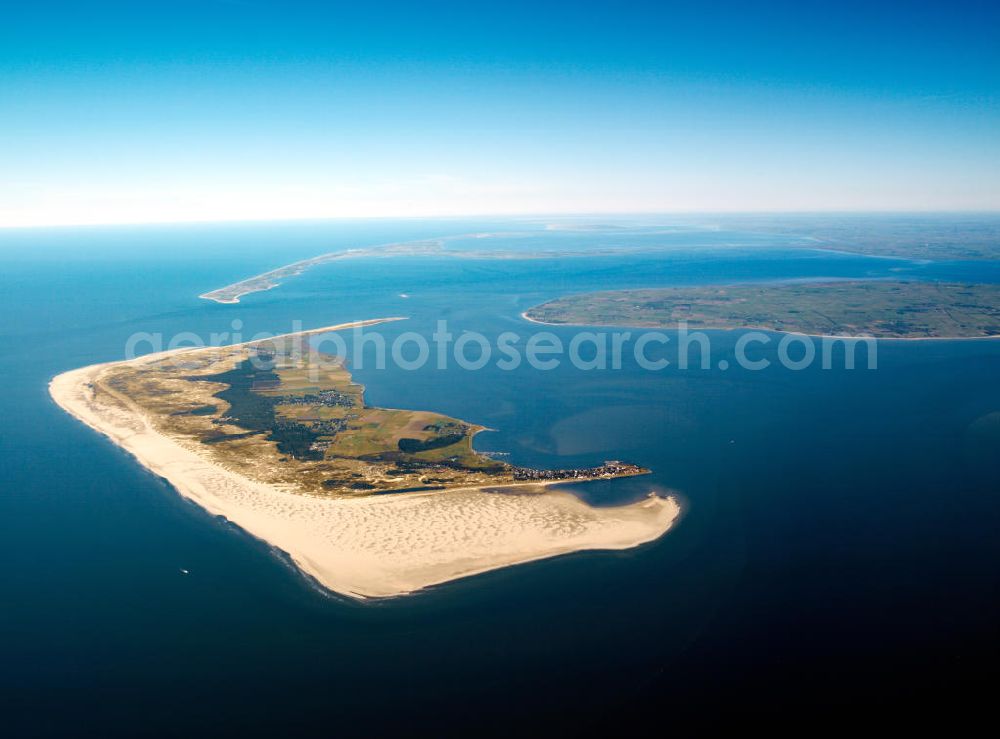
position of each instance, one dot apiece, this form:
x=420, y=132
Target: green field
x=296, y=419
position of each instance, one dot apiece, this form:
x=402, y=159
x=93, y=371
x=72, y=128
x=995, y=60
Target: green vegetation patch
x=254, y=411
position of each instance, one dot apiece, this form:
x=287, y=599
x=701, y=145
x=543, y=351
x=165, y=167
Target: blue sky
x=239, y=109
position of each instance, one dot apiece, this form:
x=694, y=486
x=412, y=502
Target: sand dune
x=373, y=546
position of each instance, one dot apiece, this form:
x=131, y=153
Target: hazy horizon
x=529, y=217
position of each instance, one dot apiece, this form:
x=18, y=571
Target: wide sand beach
x=374, y=546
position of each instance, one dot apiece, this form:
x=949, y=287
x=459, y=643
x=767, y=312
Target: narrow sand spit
x=373, y=546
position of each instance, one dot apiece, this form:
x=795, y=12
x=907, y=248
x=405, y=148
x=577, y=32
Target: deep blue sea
x=839, y=550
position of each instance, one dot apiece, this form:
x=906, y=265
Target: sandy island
x=374, y=546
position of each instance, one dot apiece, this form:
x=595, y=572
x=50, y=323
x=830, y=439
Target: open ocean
x=839, y=546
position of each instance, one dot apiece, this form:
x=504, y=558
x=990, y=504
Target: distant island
x=272, y=278
x=432, y=247
x=887, y=309
x=369, y=501
x=929, y=238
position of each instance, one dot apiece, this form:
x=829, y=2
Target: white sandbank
x=376, y=546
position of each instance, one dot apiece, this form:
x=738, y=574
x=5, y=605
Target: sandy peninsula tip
x=372, y=546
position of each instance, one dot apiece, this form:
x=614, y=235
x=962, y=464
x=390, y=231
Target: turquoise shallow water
x=838, y=545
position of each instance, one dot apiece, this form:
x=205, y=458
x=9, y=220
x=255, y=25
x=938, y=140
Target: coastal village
x=611, y=468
